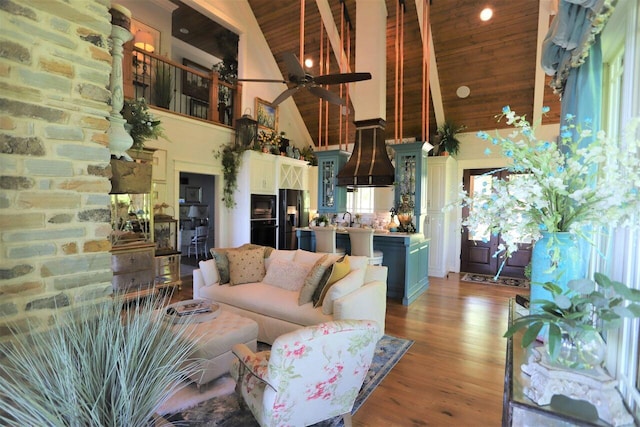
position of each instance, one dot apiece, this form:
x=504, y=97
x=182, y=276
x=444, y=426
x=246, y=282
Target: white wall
x=190, y=147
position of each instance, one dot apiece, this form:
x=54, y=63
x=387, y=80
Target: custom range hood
x=369, y=164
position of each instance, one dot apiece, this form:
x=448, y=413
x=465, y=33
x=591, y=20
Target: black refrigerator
x=293, y=211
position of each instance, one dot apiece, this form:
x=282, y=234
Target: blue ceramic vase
x=570, y=264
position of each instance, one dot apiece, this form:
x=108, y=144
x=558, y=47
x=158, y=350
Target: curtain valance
x=571, y=35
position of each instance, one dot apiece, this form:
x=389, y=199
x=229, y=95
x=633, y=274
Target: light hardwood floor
x=453, y=373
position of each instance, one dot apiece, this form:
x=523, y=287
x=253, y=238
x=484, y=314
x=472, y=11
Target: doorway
x=196, y=214
x=477, y=250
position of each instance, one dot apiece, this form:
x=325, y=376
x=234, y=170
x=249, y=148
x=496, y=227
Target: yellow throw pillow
x=246, y=265
x=339, y=270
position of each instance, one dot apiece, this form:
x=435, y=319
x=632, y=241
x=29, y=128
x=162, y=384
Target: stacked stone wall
x=55, y=64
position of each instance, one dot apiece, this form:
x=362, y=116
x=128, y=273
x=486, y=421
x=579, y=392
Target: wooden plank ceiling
x=495, y=59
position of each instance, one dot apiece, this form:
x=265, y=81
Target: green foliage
x=227, y=69
x=97, y=366
x=141, y=124
x=230, y=155
x=322, y=218
x=584, y=306
x=309, y=155
x=448, y=140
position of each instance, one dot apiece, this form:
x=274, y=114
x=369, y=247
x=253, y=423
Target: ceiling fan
x=300, y=79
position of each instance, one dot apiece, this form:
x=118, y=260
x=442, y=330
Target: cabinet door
x=410, y=176
x=292, y=174
x=331, y=197
x=436, y=185
x=262, y=173
x=435, y=231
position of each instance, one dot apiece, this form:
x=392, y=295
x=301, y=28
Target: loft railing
x=178, y=88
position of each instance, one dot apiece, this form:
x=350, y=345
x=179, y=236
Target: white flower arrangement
x=557, y=187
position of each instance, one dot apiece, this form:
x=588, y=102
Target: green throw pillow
x=337, y=271
x=222, y=263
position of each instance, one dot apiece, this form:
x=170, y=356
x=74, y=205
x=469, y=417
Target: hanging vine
x=230, y=155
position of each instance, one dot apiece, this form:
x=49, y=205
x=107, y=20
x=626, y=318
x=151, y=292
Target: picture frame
x=194, y=85
x=193, y=194
x=266, y=115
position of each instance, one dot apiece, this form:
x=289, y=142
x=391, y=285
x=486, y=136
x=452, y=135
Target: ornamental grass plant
x=584, y=181
x=97, y=366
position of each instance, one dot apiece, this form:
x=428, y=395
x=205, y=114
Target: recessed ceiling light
x=486, y=14
x=308, y=62
x=463, y=91
x=184, y=31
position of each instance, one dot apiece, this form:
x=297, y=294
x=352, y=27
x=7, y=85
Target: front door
x=477, y=249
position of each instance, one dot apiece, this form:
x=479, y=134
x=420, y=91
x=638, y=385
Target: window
x=621, y=102
x=360, y=200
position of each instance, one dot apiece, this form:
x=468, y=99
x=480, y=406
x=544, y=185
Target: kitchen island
x=406, y=255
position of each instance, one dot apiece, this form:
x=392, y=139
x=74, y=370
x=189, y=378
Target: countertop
x=377, y=233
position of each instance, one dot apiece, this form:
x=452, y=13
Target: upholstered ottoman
x=214, y=339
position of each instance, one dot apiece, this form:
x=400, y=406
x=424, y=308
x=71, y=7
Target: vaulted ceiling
x=495, y=59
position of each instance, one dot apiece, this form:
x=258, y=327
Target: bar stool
x=326, y=240
x=362, y=244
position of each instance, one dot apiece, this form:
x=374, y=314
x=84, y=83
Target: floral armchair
x=310, y=375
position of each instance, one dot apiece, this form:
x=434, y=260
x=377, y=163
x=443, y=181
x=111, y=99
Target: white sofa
x=277, y=310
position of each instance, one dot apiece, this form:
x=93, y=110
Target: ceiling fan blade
x=294, y=68
x=330, y=79
x=261, y=80
x=326, y=95
x=284, y=95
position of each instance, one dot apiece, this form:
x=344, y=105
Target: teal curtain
x=571, y=53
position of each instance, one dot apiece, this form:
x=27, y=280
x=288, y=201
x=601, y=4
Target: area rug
x=487, y=279
x=225, y=410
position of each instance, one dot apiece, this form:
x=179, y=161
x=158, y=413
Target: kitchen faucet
x=350, y=221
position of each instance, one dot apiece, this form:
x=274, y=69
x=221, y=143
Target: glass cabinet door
x=411, y=178
x=331, y=197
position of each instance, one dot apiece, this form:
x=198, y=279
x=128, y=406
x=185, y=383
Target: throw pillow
x=357, y=262
x=337, y=272
x=286, y=274
x=222, y=263
x=279, y=254
x=312, y=280
x=342, y=287
x=307, y=257
x=209, y=272
x=267, y=249
x=245, y=265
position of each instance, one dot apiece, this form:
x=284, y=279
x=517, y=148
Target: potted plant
x=141, y=124
x=96, y=365
x=448, y=141
x=309, y=155
x=322, y=220
x=575, y=319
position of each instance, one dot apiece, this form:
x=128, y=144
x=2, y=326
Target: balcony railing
x=180, y=89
